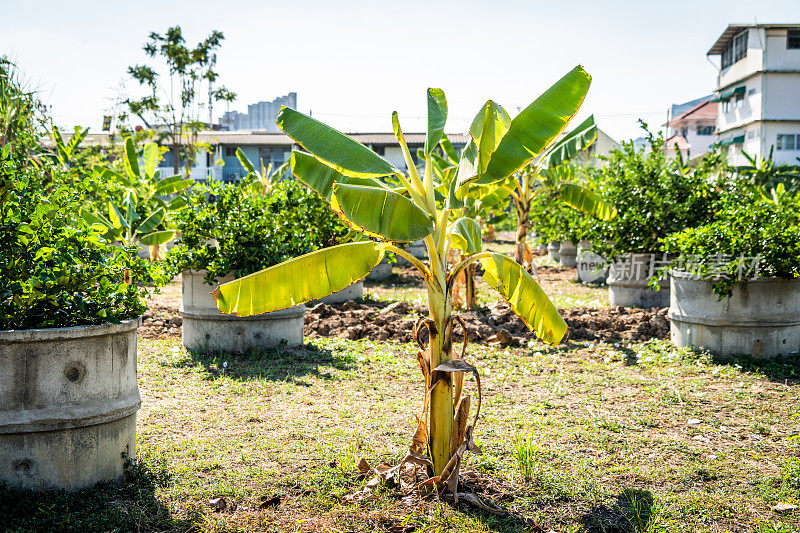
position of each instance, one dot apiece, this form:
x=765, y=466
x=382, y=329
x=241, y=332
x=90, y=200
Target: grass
x=631, y=438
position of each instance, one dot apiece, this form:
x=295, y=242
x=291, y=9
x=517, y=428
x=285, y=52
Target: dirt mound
x=160, y=322
x=495, y=324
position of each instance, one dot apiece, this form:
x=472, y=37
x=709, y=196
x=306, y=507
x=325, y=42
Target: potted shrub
x=736, y=287
x=230, y=230
x=655, y=196
x=68, y=389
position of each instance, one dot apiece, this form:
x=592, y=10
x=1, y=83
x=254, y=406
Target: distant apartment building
x=260, y=116
x=758, y=91
x=691, y=129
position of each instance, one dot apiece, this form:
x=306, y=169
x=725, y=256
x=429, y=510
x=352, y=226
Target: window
x=230, y=151
x=793, y=39
x=788, y=141
x=736, y=51
x=726, y=106
x=738, y=102
x=705, y=130
x=380, y=150
x=684, y=131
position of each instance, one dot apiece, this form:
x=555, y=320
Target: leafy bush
x=55, y=271
x=229, y=229
x=655, y=196
x=747, y=225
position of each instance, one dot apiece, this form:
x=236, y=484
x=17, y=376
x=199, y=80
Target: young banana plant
x=261, y=182
x=145, y=191
x=546, y=174
x=65, y=152
x=348, y=175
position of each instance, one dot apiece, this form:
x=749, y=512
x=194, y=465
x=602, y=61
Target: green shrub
x=655, y=196
x=747, y=225
x=252, y=231
x=55, y=271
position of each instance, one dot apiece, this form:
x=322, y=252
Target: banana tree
x=348, y=175
x=66, y=152
x=261, y=182
x=143, y=214
x=545, y=175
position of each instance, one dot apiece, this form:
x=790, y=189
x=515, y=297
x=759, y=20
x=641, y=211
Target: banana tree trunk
x=523, y=211
x=441, y=406
x=469, y=287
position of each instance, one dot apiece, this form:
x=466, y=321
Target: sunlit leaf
x=586, y=201
x=465, y=235
x=571, y=145
x=437, y=117
x=320, y=177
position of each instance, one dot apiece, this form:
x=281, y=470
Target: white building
x=692, y=130
x=758, y=90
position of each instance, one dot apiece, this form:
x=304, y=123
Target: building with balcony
x=758, y=91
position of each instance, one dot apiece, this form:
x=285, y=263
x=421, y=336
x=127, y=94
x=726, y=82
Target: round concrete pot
x=592, y=268
x=205, y=328
x=552, y=250
x=761, y=318
x=628, y=279
x=68, y=402
x=351, y=292
x=381, y=271
x=567, y=254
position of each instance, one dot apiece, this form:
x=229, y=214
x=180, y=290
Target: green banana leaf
x=151, y=157
x=525, y=297
x=381, y=213
x=157, y=238
x=131, y=160
x=117, y=218
x=76, y=139
x=96, y=220
x=467, y=168
x=449, y=150
x=345, y=154
x=577, y=140
x=437, y=117
x=298, y=280
x=61, y=150
x=248, y=166
x=173, y=184
x=586, y=201
x=487, y=129
x=537, y=125
x=320, y=177
x=152, y=222
x=465, y=235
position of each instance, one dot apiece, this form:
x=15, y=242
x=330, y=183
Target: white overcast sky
x=353, y=62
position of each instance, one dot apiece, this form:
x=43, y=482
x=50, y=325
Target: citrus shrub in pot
x=736, y=284
x=347, y=174
x=231, y=230
x=68, y=390
x=655, y=195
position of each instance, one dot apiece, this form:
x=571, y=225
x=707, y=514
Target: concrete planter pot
x=381, y=271
x=567, y=254
x=205, y=328
x=628, y=279
x=68, y=402
x=553, y=249
x=351, y=292
x=592, y=268
x=761, y=318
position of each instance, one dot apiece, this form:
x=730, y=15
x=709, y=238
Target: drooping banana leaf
x=437, y=117
x=157, y=238
x=173, y=184
x=381, y=213
x=586, y=201
x=320, y=177
x=536, y=126
x=449, y=151
x=565, y=149
x=152, y=222
x=298, y=280
x=525, y=297
x=345, y=154
x=465, y=235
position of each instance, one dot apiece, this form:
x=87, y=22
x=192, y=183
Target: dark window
x=786, y=141
x=793, y=39
x=380, y=150
x=705, y=130
x=230, y=151
x=735, y=51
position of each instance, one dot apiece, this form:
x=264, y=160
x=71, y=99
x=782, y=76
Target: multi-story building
x=260, y=116
x=692, y=127
x=758, y=91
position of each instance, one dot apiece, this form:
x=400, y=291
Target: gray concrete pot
x=351, y=292
x=552, y=250
x=381, y=271
x=761, y=318
x=592, y=268
x=567, y=254
x=628, y=279
x=68, y=402
x=205, y=328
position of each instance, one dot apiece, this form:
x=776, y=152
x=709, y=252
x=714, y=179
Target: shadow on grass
x=632, y=512
x=131, y=506
x=780, y=369
x=278, y=364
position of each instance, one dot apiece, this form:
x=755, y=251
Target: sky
x=354, y=62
